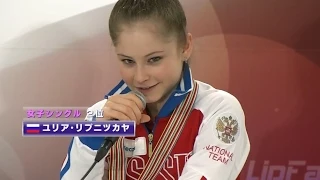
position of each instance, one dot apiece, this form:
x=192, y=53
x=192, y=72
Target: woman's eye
x=127, y=61
x=155, y=59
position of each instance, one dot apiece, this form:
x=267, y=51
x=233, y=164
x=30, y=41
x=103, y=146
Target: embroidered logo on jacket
x=227, y=129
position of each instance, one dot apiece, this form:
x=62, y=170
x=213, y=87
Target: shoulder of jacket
x=98, y=105
x=94, y=108
x=211, y=100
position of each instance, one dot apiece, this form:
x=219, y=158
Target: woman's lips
x=146, y=89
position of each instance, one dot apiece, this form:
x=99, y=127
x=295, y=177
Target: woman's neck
x=153, y=109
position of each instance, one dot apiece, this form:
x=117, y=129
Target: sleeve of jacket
x=222, y=145
x=81, y=154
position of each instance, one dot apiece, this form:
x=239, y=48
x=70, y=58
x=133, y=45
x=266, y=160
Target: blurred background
x=266, y=53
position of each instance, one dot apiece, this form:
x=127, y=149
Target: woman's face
x=148, y=62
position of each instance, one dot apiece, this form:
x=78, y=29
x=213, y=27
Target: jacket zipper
x=150, y=137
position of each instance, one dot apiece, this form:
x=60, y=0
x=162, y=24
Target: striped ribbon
x=117, y=163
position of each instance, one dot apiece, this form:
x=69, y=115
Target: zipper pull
x=150, y=136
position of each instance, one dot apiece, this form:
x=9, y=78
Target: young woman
x=188, y=130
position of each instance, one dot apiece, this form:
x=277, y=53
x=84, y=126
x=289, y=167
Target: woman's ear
x=187, y=49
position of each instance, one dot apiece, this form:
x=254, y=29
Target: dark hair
x=168, y=12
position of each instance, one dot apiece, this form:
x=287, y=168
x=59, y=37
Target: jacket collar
x=182, y=90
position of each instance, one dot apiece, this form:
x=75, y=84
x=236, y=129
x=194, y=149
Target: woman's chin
x=152, y=99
